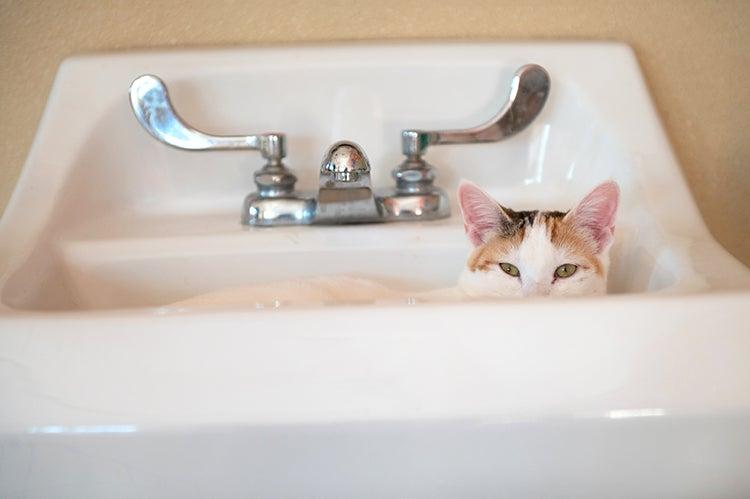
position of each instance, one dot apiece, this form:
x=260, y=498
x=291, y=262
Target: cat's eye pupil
x=566, y=270
x=510, y=269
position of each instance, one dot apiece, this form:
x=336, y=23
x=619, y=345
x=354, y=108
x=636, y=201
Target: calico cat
x=516, y=254
x=537, y=253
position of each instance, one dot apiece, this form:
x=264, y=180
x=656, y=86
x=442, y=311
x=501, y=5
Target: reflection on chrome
x=52, y=429
x=635, y=413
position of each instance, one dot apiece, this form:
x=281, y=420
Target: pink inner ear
x=482, y=214
x=597, y=211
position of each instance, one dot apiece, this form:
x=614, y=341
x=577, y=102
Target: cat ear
x=596, y=213
x=483, y=215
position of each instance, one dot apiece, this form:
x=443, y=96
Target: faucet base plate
x=268, y=211
x=397, y=205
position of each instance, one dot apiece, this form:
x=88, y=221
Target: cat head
x=538, y=253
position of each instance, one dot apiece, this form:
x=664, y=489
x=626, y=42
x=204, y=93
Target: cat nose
x=533, y=288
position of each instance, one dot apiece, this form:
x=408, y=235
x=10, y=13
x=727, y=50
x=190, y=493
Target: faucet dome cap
x=345, y=158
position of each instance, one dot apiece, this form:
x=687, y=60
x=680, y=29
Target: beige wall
x=695, y=54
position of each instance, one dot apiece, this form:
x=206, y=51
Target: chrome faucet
x=345, y=194
x=344, y=191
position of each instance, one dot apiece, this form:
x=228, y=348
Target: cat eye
x=566, y=270
x=510, y=269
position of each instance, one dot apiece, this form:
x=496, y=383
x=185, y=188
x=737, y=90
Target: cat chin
x=480, y=284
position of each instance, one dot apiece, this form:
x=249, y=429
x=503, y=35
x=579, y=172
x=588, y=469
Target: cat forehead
x=529, y=239
x=538, y=239
x=537, y=251
x=549, y=239
x=536, y=245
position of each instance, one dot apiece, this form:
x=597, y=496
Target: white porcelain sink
x=107, y=391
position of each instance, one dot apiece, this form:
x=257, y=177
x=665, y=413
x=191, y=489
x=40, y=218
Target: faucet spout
x=345, y=194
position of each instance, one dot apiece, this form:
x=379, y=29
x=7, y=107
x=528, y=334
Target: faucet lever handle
x=528, y=93
x=150, y=102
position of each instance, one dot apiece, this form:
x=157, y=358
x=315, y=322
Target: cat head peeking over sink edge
x=537, y=253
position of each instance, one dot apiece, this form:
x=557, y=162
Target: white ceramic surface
x=107, y=392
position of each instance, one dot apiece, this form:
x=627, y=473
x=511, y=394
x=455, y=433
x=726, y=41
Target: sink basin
x=105, y=387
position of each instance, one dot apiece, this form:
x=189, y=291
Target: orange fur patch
x=565, y=235
x=488, y=254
